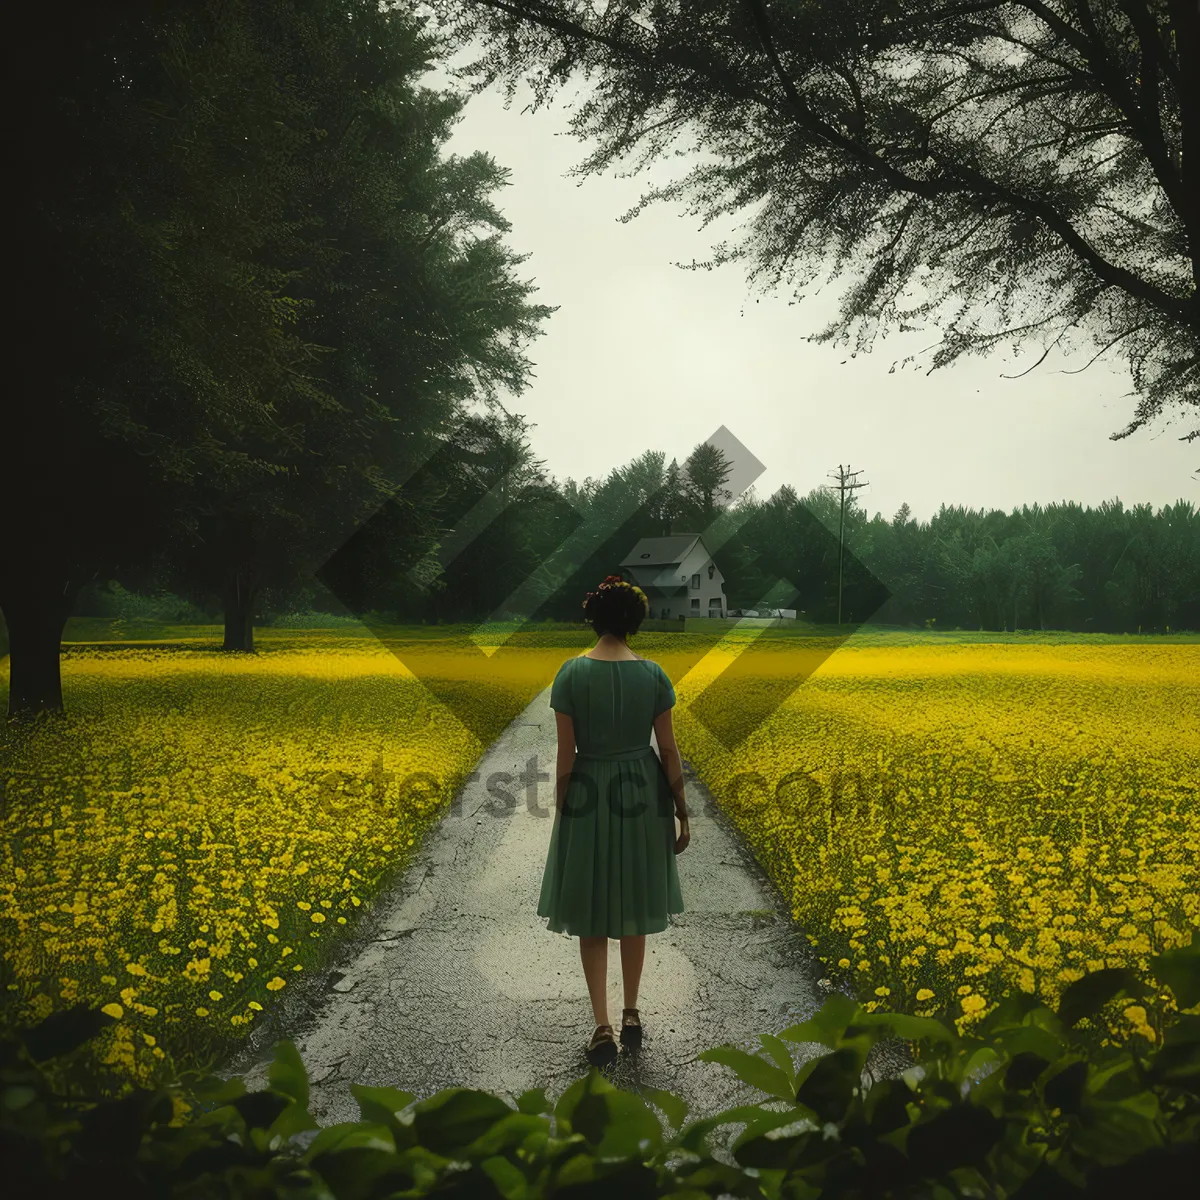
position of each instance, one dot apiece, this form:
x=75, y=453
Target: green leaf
x=509, y=1131
x=456, y=1117
x=1030, y=1039
x=356, y=1172
x=692, y=1136
x=827, y=1025
x=1116, y=1081
x=1178, y=1058
x=61, y=1032
x=1114, y=1131
x=1179, y=969
x=564, y=1107
x=675, y=1107
x=751, y=1069
x=590, y=1115
x=828, y=1087
x=260, y=1109
x=17, y=1097
x=980, y=1057
x=114, y=1129
x=1087, y=996
x=1024, y=1070
x=912, y=1029
x=960, y=1136
x=287, y=1074
x=886, y=1106
x=579, y=1169
x=633, y=1131
x=780, y=1053
x=507, y=1178
x=1065, y=1088
x=351, y=1135
x=771, y=1141
x=212, y=1089
x=380, y=1104
x=1013, y=1009
x=534, y=1101
x=293, y=1119
x=1184, y=1030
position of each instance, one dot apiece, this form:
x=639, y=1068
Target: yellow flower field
x=175, y=847
x=948, y=819
x=951, y=821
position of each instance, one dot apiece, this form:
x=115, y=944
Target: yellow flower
x=1136, y=1015
x=273, y=985
x=883, y=991
x=924, y=994
x=114, y=1010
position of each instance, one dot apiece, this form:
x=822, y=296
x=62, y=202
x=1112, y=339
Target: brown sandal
x=631, y=1027
x=602, y=1049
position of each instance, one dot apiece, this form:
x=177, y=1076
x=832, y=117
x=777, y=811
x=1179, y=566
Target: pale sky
x=671, y=355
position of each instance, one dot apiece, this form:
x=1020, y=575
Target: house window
x=695, y=581
x=714, y=604
x=695, y=604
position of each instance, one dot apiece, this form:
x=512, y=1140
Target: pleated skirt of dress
x=611, y=869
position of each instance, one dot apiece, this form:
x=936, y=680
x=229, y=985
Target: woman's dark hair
x=616, y=607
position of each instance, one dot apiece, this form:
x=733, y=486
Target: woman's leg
x=594, y=953
x=633, y=955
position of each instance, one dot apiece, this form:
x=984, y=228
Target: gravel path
x=453, y=980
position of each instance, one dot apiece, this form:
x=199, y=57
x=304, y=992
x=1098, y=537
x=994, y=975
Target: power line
x=844, y=485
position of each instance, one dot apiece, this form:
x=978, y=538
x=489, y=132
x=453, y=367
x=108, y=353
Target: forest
x=274, y=382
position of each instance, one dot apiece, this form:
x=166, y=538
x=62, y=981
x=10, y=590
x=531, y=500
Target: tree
x=277, y=301
x=707, y=470
x=1026, y=161
x=148, y=335
x=417, y=313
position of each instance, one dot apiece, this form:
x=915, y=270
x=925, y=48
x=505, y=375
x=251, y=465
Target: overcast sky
x=643, y=355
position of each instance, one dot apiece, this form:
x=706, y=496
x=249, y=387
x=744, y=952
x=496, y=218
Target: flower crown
x=612, y=582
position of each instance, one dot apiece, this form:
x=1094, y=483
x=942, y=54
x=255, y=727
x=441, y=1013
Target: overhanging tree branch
x=970, y=180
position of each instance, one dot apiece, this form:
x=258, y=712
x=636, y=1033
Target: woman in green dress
x=610, y=871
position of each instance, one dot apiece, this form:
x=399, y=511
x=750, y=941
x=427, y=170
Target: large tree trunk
x=239, y=613
x=36, y=610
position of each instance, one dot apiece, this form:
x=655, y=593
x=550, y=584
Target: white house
x=678, y=576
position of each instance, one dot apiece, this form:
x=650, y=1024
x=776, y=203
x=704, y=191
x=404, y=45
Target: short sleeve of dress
x=665, y=693
x=560, y=691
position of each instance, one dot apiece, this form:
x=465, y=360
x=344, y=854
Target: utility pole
x=844, y=485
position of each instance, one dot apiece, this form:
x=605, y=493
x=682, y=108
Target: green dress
x=610, y=870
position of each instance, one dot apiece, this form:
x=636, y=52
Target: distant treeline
x=1109, y=569
x=1064, y=567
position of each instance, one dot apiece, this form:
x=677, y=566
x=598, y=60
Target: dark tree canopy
x=250, y=294
x=997, y=171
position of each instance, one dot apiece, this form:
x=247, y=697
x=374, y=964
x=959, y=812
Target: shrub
x=1042, y=1121
x=110, y=599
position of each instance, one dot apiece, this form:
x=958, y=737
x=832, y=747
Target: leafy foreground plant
x=1044, y=1121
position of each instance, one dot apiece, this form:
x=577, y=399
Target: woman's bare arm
x=668, y=752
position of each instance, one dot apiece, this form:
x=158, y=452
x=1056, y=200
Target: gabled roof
x=661, y=551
